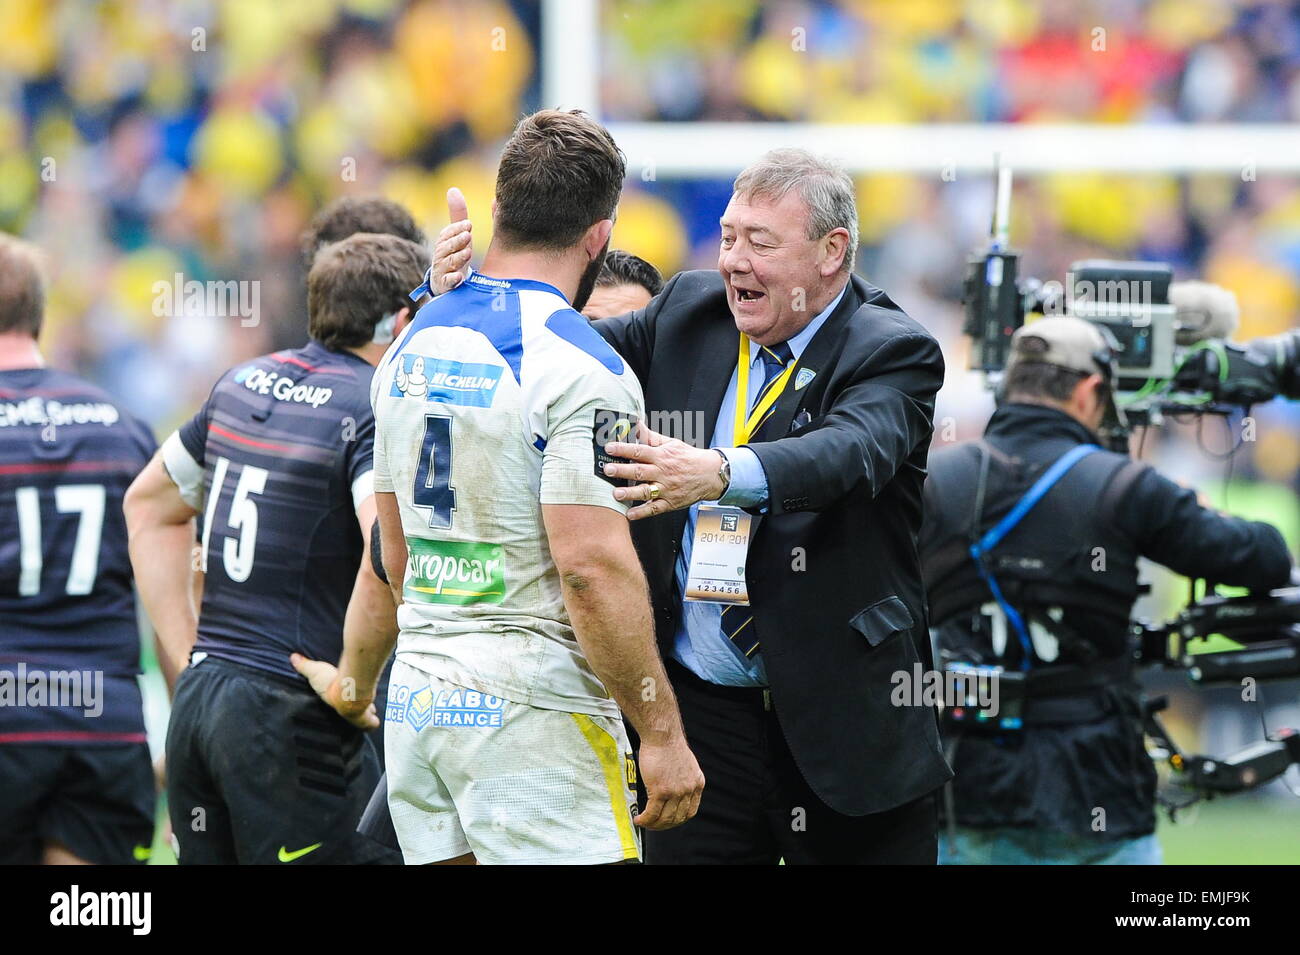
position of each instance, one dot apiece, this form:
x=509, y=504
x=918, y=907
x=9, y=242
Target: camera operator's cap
x=1066, y=342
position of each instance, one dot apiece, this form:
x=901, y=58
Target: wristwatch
x=724, y=472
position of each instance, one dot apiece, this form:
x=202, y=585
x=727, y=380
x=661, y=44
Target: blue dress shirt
x=699, y=644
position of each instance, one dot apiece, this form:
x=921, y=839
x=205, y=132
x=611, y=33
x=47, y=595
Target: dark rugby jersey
x=275, y=461
x=69, y=633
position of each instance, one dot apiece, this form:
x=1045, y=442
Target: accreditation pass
x=718, y=552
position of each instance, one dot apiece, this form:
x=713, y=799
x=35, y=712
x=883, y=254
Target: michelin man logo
x=411, y=381
x=446, y=381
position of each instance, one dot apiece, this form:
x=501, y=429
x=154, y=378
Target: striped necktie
x=737, y=620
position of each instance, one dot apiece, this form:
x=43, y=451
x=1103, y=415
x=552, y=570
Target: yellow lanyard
x=745, y=428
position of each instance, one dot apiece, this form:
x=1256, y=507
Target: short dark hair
x=355, y=282
x=353, y=214
x=22, y=287
x=624, y=268
x=1027, y=378
x=560, y=173
x=1036, y=379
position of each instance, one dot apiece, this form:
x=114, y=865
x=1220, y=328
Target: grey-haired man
x=783, y=573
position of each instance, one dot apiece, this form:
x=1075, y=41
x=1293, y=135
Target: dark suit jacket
x=833, y=573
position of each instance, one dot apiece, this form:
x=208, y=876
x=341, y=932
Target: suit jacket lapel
x=715, y=361
x=705, y=382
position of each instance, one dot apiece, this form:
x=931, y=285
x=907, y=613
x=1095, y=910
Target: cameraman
x=1050, y=602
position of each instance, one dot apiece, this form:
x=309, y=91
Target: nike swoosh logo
x=286, y=856
x=142, y=853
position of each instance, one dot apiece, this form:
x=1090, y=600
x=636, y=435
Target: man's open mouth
x=748, y=294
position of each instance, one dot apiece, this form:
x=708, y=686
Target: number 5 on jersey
x=433, y=475
x=237, y=553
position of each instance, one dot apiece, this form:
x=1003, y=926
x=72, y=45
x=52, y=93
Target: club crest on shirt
x=803, y=378
x=610, y=426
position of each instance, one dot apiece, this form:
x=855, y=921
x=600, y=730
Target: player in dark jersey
x=278, y=463
x=76, y=780
x=339, y=219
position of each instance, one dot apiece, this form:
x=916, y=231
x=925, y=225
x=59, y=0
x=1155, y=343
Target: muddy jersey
x=489, y=406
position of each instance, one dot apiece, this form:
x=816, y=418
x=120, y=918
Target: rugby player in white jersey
x=524, y=616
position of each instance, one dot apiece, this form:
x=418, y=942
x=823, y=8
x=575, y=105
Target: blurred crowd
x=910, y=61
x=170, y=141
x=147, y=144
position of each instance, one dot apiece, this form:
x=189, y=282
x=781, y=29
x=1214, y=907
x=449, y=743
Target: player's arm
x=605, y=593
x=392, y=542
x=369, y=634
x=198, y=578
x=370, y=627
x=160, y=529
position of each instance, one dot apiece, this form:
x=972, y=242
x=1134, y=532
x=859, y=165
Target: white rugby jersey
x=488, y=406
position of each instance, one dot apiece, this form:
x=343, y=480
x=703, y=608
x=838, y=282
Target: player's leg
x=529, y=785
x=547, y=787
x=294, y=775
x=102, y=811
x=28, y=772
x=423, y=814
x=199, y=817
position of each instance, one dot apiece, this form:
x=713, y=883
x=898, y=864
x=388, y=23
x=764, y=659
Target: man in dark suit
x=786, y=700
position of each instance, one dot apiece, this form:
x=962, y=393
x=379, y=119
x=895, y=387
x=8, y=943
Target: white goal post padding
x=693, y=150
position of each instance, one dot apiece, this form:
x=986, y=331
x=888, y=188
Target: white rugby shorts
x=471, y=772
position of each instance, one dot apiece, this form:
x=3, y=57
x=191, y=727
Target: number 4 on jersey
x=433, y=476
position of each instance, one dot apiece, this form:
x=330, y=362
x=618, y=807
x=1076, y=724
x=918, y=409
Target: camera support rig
x=1269, y=627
